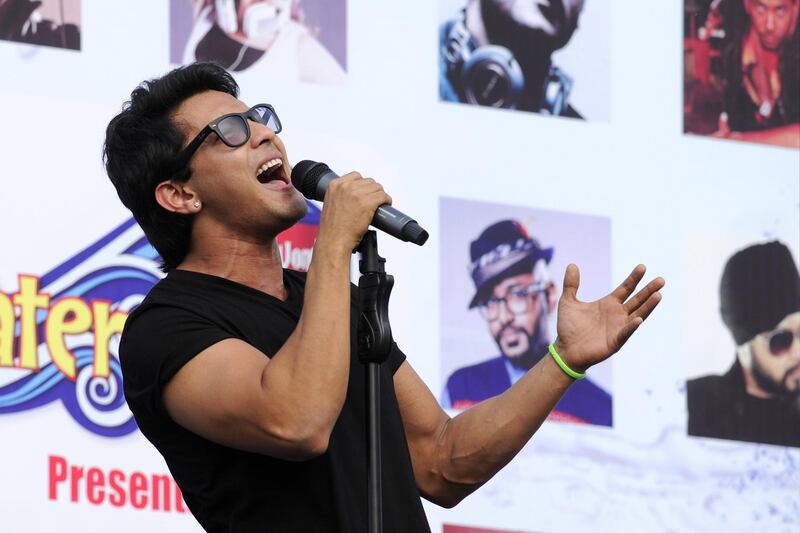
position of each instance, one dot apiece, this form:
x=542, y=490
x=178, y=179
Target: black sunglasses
x=781, y=340
x=232, y=129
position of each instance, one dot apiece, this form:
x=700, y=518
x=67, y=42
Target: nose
x=770, y=21
x=260, y=133
x=504, y=315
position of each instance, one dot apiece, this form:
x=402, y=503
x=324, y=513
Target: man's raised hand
x=590, y=332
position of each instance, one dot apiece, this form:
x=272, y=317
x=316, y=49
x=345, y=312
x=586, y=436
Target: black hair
x=142, y=146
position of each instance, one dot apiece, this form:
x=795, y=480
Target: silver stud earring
x=197, y=205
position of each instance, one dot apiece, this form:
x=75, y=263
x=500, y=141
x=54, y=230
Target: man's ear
x=552, y=297
x=177, y=197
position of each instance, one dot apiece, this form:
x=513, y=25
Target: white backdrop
x=679, y=204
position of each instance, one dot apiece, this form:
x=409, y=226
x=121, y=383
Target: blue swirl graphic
x=97, y=403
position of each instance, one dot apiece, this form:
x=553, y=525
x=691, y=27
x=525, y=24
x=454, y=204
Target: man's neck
x=752, y=387
x=249, y=262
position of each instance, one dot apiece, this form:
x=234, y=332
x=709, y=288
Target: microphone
x=312, y=179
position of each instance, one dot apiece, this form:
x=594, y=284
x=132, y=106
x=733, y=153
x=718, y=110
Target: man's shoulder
x=589, y=389
x=474, y=383
x=184, y=295
x=587, y=402
x=709, y=386
x=713, y=396
x=167, y=294
x=480, y=368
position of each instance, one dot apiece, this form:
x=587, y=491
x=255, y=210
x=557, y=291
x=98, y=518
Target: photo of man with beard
x=758, y=399
x=516, y=296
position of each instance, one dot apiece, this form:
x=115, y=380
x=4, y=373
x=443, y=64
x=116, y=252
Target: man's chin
x=772, y=45
x=295, y=211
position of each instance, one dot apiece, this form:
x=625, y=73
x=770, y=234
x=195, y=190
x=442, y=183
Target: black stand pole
x=374, y=344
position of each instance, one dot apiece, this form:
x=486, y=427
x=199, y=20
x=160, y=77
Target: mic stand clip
x=374, y=345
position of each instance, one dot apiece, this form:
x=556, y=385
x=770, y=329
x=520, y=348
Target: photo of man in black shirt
x=758, y=399
x=742, y=63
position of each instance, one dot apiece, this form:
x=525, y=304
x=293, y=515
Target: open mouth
x=272, y=170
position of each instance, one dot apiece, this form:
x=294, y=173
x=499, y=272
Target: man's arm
x=452, y=457
x=286, y=406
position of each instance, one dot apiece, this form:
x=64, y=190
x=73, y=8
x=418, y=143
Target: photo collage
x=544, y=70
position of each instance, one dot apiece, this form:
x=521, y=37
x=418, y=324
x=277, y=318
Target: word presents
x=157, y=492
x=65, y=316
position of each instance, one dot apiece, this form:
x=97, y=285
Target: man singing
x=245, y=376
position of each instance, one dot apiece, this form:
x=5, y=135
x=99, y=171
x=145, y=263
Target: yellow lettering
x=106, y=325
x=29, y=300
x=59, y=323
x=7, y=323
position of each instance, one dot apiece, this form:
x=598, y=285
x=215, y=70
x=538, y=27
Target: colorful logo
x=59, y=332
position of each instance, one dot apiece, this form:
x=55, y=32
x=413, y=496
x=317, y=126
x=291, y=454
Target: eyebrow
x=512, y=287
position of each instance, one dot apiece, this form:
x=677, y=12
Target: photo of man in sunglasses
x=516, y=295
x=758, y=399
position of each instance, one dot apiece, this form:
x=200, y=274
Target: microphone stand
x=374, y=344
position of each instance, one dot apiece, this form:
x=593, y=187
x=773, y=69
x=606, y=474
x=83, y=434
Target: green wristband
x=560, y=362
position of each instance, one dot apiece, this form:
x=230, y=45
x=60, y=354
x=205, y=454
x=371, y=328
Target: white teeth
x=269, y=164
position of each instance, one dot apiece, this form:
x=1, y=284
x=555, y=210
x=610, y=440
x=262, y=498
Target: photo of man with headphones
x=498, y=53
x=269, y=34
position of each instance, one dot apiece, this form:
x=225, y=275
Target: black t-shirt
x=237, y=491
x=720, y=407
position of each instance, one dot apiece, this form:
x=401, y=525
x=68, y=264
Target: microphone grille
x=306, y=175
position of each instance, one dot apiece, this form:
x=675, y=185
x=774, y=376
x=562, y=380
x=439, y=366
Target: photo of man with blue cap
x=516, y=296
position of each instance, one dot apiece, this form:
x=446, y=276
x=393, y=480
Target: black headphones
x=491, y=76
x=485, y=75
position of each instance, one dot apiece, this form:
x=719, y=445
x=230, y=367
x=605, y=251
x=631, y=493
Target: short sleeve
x=396, y=358
x=156, y=343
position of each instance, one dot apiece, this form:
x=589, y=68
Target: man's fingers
x=627, y=287
x=645, y=309
x=627, y=331
x=572, y=279
x=633, y=304
x=377, y=198
x=350, y=176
